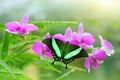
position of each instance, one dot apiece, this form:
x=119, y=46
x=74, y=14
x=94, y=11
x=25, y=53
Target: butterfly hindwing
x=70, y=51
x=73, y=53
x=60, y=44
x=83, y=53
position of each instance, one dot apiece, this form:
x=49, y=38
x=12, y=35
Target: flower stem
x=66, y=74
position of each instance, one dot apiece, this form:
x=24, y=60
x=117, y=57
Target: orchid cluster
x=21, y=28
x=80, y=38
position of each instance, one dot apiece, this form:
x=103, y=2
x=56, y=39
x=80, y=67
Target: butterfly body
x=64, y=52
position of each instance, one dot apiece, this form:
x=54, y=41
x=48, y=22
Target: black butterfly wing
x=48, y=42
x=65, y=52
x=82, y=54
x=69, y=48
x=78, y=51
x=57, y=46
x=61, y=46
x=71, y=52
x=59, y=43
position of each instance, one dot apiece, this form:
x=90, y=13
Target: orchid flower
x=21, y=28
x=41, y=49
x=94, y=59
x=82, y=38
x=66, y=37
x=106, y=46
x=47, y=35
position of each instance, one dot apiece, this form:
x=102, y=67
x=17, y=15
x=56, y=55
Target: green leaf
x=2, y=26
x=47, y=65
x=4, y=65
x=23, y=59
x=5, y=46
x=4, y=75
x=42, y=24
x=89, y=50
x=15, y=70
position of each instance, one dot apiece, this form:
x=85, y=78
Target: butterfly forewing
x=56, y=48
x=61, y=45
x=56, y=45
x=48, y=42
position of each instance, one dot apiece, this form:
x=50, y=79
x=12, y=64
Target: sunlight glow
x=106, y=3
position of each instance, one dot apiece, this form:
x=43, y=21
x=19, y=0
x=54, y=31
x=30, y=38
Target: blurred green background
x=98, y=17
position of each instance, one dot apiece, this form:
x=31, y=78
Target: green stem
x=5, y=72
x=69, y=66
x=15, y=53
x=66, y=74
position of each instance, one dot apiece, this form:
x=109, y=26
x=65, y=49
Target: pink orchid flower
x=66, y=37
x=94, y=59
x=47, y=35
x=41, y=49
x=82, y=38
x=21, y=28
x=106, y=46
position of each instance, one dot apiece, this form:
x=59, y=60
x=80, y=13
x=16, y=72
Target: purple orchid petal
x=24, y=20
x=105, y=43
x=68, y=34
x=49, y=54
x=100, y=54
x=21, y=28
x=13, y=27
x=88, y=38
x=41, y=49
x=106, y=46
x=80, y=29
x=87, y=63
x=47, y=51
x=94, y=63
x=83, y=46
x=38, y=47
x=76, y=39
x=75, y=42
x=60, y=37
x=30, y=27
x=47, y=35
x=23, y=32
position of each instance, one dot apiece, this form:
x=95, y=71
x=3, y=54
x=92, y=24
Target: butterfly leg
x=53, y=62
x=66, y=66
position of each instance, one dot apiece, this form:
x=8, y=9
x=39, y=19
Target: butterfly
x=63, y=51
